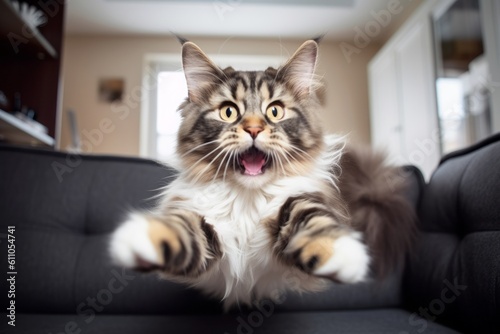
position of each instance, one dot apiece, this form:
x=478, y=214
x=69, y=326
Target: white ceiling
x=227, y=18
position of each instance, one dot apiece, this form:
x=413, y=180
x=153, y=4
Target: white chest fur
x=248, y=267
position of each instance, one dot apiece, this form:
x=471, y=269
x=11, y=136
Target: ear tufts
x=181, y=39
x=319, y=38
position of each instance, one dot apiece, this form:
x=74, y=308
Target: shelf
x=27, y=42
x=16, y=131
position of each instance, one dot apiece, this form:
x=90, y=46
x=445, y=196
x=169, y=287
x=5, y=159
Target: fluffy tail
x=375, y=194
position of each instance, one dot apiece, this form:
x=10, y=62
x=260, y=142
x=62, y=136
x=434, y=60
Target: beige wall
x=116, y=129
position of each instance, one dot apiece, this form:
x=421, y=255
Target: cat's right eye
x=228, y=112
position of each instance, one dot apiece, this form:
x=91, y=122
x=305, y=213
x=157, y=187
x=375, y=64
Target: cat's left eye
x=275, y=112
x=228, y=112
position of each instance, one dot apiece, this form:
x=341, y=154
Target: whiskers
x=300, y=162
x=218, y=160
x=198, y=147
x=290, y=160
x=229, y=154
x=282, y=159
x=195, y=165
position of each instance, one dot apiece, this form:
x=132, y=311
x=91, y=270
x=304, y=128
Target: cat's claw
x=343, y=258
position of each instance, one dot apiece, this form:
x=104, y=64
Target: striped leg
x=317, y=239
x=180, y=244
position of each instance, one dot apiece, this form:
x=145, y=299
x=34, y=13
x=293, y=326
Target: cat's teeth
x=349, y=262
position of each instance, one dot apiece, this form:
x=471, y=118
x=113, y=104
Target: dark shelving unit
x=20, y=39
x=30, y=60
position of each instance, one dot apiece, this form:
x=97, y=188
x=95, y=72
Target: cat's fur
x=264, y=202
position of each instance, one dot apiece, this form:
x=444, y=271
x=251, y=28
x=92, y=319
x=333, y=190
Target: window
x=172, y=91
x=165, y=88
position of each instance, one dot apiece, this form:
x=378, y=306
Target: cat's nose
x=253, y=130
x=253, y=124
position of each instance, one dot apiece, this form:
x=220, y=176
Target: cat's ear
x=298, y=71
x=201, y=73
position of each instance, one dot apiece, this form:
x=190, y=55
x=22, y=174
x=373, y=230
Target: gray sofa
x=64, y=208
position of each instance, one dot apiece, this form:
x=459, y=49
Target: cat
x=263, y=195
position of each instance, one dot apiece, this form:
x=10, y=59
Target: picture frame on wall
x=111, y=89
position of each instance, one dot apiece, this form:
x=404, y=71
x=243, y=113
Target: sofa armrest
x=454, y=275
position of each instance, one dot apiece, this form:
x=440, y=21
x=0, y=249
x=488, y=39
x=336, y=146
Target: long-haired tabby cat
x=262, y=192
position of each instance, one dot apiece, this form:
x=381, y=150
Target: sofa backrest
x=454, y=275
x=64, y=208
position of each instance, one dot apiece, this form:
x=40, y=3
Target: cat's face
x=249, y=127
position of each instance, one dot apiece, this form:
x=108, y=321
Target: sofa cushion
x=64, y=208
x=455, y=272
x=375, y=321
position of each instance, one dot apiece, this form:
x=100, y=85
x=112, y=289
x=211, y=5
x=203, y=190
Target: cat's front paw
x=145, y=244
x=341, y=258
x=349, y=260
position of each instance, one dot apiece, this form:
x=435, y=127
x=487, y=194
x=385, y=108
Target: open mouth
x=253, y=162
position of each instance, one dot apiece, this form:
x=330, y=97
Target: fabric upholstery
x=65, y=207
x=455, y=272
x=383, y=321
x=62, y=230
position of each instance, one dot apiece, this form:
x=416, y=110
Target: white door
x=385, y=106
x=421, y=143
x=402, y=98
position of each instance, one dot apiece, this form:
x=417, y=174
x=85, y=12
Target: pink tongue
x=253, y=162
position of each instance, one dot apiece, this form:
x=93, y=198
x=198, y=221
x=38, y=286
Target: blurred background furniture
x=30, y=63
